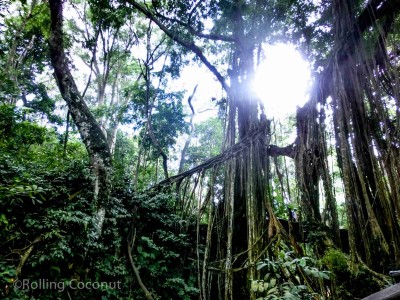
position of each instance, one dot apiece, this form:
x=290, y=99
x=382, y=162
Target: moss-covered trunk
x=368, y=188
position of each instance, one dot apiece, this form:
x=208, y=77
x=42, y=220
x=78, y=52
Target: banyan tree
x=354, y=99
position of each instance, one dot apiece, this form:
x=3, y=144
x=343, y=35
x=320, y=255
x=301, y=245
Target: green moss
x=337, y=262
x=350, y=283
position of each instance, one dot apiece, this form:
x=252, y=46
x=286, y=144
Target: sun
x=282, y=80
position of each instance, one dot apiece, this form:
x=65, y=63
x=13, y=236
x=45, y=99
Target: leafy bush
x=46, y=215
x=163, y=248
x=288, y=277
x=351, y=283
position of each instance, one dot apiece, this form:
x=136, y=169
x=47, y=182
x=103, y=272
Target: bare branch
x=188, y=45
x=187, y=143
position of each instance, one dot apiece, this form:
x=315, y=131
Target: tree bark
x=92, y=136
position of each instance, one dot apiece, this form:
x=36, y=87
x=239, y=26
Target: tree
x=90, y=131
x=366, y=178
x=24, y=60
x=242, y=26
x=218, y=218
x=104, y=42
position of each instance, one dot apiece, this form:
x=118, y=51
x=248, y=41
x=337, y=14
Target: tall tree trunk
x=92, y=136
x=368, y=191
x=248, y=210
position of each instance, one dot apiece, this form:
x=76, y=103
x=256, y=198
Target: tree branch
x=187, y=143
x=25, y=255
x=210, y=36
x=188, y=45
x=135, y=269
x=91, y=134
x=235, y=150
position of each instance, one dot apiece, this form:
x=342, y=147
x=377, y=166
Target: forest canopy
x=112, y=187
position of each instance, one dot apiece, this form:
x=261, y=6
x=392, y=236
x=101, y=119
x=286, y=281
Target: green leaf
x=272, y=290
x=261, y=265
x=272, y=282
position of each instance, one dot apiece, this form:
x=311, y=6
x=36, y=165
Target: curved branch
x=188, y=45
x=210, y=36
x=187, y=143
x=191, y=97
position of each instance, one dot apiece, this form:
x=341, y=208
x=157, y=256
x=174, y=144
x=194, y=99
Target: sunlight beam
x=282, y=80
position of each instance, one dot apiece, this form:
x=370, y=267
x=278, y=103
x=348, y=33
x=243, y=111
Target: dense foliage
x=46, y=214
x=111, y=188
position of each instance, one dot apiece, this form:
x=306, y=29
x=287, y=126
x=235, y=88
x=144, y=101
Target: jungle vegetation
x=106, y=178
